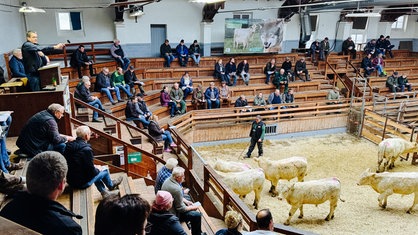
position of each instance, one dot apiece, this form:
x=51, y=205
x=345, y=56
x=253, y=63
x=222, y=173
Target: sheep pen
x=340, y=155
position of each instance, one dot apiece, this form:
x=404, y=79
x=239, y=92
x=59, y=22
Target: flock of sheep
x=242, y=179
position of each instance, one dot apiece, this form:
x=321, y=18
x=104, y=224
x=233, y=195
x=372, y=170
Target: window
x=243, y=16
x=69, y=21
x=358, y=38
x=400, y=22
x=359, y=22
x=314, y=22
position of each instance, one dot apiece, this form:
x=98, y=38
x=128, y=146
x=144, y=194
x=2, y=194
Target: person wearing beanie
x=160, y=215
x=233, y=221
x=165, y=173
x=182, y=53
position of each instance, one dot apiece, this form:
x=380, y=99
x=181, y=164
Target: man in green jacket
x=258, y=129
x=118, y=80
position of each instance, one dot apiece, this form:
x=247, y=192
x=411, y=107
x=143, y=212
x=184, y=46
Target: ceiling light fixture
x=363, y=14
x=206, y=1
x=27, y=9
x=136, y=11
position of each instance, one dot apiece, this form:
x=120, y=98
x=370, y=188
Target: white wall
x=183, y=20
x=97, y=22
x=11, y=25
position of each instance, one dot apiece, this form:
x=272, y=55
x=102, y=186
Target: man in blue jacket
x=182, y=53
x=16, y=64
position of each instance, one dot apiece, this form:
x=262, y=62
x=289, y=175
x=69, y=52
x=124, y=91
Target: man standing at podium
x=34, y=58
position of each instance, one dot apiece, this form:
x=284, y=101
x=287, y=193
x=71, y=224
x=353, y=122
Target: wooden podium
x=47, y=72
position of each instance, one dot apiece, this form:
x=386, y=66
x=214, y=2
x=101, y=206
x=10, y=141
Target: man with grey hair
x=164, y=173
x=82, y=172
x=119, y=55
x=16, y=64
x=40, y=132
x=182, y=208
x=82, y=92
x=37, y=208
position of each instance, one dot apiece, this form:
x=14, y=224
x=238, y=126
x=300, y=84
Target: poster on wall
x=253, y=36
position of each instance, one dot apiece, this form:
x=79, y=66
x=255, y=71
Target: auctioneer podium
x=49, y=71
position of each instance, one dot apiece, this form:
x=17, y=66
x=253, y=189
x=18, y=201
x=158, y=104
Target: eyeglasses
x=148, y=227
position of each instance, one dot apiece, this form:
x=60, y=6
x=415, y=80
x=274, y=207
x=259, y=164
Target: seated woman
x=160, y=134
x=233, y=221
x=379, y=64
x=166, y=101
x=186, y=84
x=160, y=215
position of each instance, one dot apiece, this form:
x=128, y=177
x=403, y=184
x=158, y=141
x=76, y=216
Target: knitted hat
x=162, y=200
x=395, y=73
x=232, y=219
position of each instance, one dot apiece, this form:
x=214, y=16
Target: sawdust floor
x=340, y=155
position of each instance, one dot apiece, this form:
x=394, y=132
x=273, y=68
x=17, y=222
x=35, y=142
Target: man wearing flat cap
x=392, y=82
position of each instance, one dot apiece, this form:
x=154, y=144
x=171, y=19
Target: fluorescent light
x=365, y=14
x=27, y=9
x=206, y=1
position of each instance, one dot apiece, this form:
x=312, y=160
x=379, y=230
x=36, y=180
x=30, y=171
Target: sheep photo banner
x=253, y=36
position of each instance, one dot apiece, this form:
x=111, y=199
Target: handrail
x=74, y=100
x=125, y=149
x=358, y=74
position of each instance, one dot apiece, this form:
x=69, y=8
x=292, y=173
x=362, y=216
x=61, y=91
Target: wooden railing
x=91, y=48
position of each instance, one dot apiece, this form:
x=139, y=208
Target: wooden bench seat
x=82, y=203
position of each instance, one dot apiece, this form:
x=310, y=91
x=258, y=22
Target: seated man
x=334, y=96
x=259, y=100
x=287, y=66
x=242, y=102
x=118, y=80
x=40, y=132
x=119, y=55
x=104, y=85
x=265, y=223
x=132, y=80
x=280, y=79
x=182, y=208
x=82, y=92
x=348, y=48
x=16, y=64
x=392, y=82
x=194, y=51
x=38, y=208
x=5, y=165
x=165, y=173
x=219, y=72
x=134, y=113
x=165, y=51
x=159, y=134
x=270, y=69
x=176, y=95
x=371, y=48
x=403, y=82
x=143, y=106
x=79, y=59
x=274, y=98
x=367, y=65
x=231, y=71
x=212, y=96
x=300, y=68
x=182, y=53
x=243, y=71
x=388, y=46
x=82, y=172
